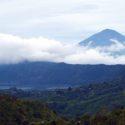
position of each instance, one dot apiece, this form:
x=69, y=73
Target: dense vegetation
x=90, y=104
x=52, y=75
x=14, y=111
x=104, y=117
x=19, y=112
x=72, y=102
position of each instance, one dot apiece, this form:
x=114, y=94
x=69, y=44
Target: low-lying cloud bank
x=14, y=49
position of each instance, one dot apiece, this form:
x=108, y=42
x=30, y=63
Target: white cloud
x=116, y=46
x=14, y=49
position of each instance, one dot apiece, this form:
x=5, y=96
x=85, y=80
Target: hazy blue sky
x=63, y=20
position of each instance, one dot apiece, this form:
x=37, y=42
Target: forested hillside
x=14, y=111
x=20, y=112
x=53, y=75
x=72, y=102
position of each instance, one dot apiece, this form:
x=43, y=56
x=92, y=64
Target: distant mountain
x=103, y=38
x=53, y=75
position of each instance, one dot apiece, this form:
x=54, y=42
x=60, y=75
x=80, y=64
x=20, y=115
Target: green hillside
x=19, y=112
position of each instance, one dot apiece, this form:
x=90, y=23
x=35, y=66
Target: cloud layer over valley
x=14, y=49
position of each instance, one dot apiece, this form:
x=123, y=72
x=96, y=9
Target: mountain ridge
x=103, y=38
x=55, y=75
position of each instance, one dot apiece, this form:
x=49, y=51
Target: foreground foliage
x=19, y=112
x=14, y=111
x=74, y=102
